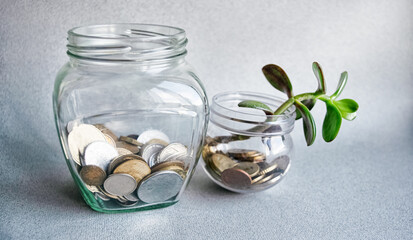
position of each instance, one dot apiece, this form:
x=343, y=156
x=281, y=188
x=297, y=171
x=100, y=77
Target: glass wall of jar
x=246, y=150
x=131, y=115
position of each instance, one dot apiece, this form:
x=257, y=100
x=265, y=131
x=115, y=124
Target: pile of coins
x=128, y=169
x=242, y=168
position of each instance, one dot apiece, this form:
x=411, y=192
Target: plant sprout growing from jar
x=336, y=109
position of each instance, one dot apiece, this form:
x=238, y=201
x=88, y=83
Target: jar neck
x=226, y=114
x=127, y=44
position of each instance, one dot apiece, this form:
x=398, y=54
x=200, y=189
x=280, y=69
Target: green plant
x=336, y=109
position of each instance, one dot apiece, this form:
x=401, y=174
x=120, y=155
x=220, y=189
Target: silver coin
x=101, y=196
x=70, y=125
x=148, y=135
x=150, y=153
x=126, y=203
x=80, y=137
x=120, y=184
x=99, y=154
x=131, y=197
x=159, y=186
x=173, y=151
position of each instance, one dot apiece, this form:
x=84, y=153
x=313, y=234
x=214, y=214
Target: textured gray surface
x=358, y=187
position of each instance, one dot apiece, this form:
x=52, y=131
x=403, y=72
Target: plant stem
x=301, y=97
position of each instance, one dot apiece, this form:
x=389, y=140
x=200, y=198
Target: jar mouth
x=126, y=42
x=226, y=113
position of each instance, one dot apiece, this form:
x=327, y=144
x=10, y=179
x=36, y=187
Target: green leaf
x=308, y=123
x=309, y=103
x=347, y=108
x=278, y=78
x=341, y=85
x=318, y=72
x=256, y=105
x=332, y=122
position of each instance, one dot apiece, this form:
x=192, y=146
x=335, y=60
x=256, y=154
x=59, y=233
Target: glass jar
x=245, y=150
x=131, y=115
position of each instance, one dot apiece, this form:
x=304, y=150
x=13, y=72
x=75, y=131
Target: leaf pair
x=336, y=110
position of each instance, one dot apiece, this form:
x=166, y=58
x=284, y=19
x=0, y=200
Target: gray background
x=358, y=187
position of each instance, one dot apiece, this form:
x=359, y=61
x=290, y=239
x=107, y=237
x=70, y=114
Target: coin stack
x=128, y=169
x=242, y=168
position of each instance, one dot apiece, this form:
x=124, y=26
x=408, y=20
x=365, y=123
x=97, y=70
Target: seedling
x=336, y=109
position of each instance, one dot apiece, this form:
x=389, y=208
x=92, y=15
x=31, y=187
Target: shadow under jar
x=131, y=115
x=245, y=150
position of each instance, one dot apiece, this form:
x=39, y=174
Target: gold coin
x=258, y=178
x=110, y=140
x=249, y=167
x=221, y=162
x=157, y=141
x=123, y=151
x=130, y=141
x=270, y=177
x=236, y=178
x=138, y=169
x=133, y=148
x=168, y=164
x=106, y=131
x=92, y=175
x=268, y=169
x=246, y=155
x=121, y=159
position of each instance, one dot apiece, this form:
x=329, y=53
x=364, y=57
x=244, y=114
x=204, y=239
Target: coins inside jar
x=113, y=173
x=240, y=168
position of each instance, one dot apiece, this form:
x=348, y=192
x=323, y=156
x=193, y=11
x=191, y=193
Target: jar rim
x=75, y=31
x=226, y=114
x=217, y=97
x=127, y=42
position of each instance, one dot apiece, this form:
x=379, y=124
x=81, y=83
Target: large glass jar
x=245, y=150
x=131, y=115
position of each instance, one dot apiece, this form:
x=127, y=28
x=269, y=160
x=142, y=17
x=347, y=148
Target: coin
x=70, y=125
x=134, y=136
x=121, y=159
x=126, y=203
x=169, y=165
x=123, y=151
x=133, y=148
x=80, y=137
x=131, y=197
x=270, y=178
x=246, y=155
x=99, y=154
x=110, y=140
x=92, y=175
x=221, y=162
x=249, y=167
x=120, y=184
x=157, y=141
x=150, y=152
x=138, y=169
x=130, y=141
x=102, y=190
x=268, y=168
x=106, y=131
x=151, y=134
x=101, y=196
x=159, y=186
x=236, y=178
x=172, y=151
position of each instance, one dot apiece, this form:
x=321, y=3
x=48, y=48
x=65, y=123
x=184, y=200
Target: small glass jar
x=131, y=115
x=245, y=150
